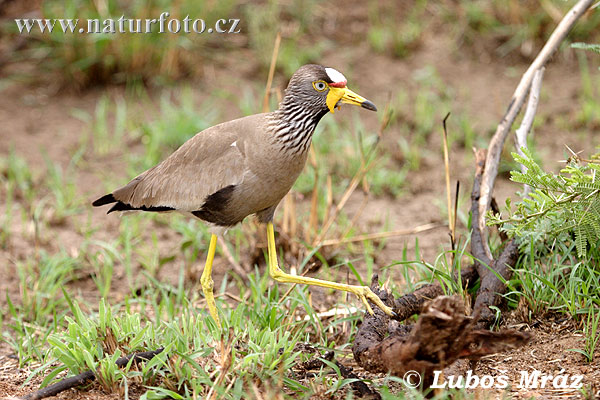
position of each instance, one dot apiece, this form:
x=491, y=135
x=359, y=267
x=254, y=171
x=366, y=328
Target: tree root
x=87, y=376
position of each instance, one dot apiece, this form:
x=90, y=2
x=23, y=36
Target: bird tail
x=106, y=199
x=120, y=206
x=109, y=199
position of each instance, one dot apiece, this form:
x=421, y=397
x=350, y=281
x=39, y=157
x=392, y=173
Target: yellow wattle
x=333, y=97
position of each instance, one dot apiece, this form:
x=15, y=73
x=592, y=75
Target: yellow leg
x=207, y=282
x=363, y=292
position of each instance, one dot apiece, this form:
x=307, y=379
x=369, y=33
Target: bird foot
x=365, y=293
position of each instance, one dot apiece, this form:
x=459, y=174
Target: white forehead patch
x=335, y=75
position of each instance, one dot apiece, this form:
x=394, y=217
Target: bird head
x=323, y=89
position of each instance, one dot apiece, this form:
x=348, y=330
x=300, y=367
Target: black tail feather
x=120, y=206
x=106, y=199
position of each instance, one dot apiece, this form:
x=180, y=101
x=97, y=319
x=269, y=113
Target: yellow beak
x=347, y=96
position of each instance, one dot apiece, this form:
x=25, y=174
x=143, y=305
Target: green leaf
x=586, y=46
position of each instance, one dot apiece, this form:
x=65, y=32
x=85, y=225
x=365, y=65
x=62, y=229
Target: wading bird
x=243, y=167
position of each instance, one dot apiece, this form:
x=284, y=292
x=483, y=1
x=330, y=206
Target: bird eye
x=319, y=86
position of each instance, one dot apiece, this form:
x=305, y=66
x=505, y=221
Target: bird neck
x=294, y=124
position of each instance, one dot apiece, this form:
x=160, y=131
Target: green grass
x=108, y=126
x=41, y=304
x=393, y=30
x=19, y=191
x=261, y=353
x=591, y=333
x=558, y=282
x=165, y=315
x=180, y=117
x=53, y=325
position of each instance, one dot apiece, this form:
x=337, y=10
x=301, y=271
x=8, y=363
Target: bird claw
x=367, y=293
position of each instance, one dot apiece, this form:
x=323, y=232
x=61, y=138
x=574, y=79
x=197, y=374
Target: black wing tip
x=106, y=199
x=120, y=206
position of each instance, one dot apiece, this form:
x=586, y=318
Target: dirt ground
x=37, y=121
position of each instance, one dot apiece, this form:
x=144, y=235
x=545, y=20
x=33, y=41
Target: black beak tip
x=368, y=105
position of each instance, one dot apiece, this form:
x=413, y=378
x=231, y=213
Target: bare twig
x=477, y=237
x=527, y=123
x=271, y=72
x=456, y=196
x=448, y=195
x=225, y=363
x=518, y=99
x=382, y=235
x=241, y=271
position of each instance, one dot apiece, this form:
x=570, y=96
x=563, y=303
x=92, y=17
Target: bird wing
x=209, y=161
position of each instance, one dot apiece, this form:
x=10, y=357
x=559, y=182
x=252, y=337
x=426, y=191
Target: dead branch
x=382, y=235
x=442, y=335
x=527, y=123
x=87, y=376
x=478, y=245
x=517, y=101
x=489, y=270
x=492, y=286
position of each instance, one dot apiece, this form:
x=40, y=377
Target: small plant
x=103, y=136
x=41, y=302
x=587, y=46
x=96, y=343
x=560, y=208
x=591, y=331
x=63, y=199
x=17, y=178
x=558, y=226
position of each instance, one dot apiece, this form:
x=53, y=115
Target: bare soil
x=37, y=122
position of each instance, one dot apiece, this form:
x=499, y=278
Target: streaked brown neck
x=294, y=123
